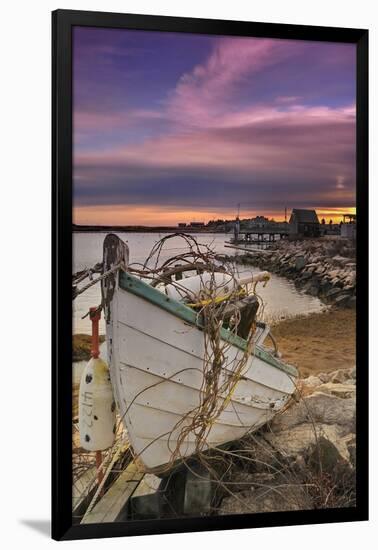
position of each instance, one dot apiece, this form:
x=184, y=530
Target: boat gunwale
x=134, y=285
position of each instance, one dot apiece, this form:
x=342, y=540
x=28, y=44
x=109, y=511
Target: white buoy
x=97, y=420
x=96, y=407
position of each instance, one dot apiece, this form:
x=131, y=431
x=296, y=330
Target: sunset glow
x=173, y=128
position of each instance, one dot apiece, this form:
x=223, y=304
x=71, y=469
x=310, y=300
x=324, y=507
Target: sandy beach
x=319, y=342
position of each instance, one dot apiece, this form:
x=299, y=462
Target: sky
x=173, y=127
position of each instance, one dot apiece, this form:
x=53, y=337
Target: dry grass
x=81, y=346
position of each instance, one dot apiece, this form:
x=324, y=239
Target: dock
x=111, y=504
x=245, y=248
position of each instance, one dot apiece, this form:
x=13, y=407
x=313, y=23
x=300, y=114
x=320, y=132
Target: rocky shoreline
x=325, y=268
x=305, y=458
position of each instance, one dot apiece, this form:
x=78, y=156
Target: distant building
x=329, y=229
x=304, y=223
x=197, y=224
x=258, y=221
x=182, y=225
x=348, y=227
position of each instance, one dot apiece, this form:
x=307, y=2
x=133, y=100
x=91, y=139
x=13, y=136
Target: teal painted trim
x=136, y=286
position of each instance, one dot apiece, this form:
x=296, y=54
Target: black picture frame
x=62, y=23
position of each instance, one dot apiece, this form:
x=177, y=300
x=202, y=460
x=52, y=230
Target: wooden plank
x=81, y=485
x=110, y=505
x=246, y=249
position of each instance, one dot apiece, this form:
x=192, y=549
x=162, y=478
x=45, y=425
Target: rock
x=298, y=440
x=352, y=302
x=319, y=267
x=321, y=407
x=313, y=290
x=350, y=442
x=342, y=300
x=327, y=456
x=340, y=390
x=339, y=376
x=325, y=286
x=349, y=287
x=340, y=260
x=331, y=294
x=324, y=376
x=300, y=263
x=311, y=381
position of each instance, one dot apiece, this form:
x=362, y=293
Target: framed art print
x=210, y=274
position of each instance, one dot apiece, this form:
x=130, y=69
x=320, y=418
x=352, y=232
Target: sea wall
x=321, y=267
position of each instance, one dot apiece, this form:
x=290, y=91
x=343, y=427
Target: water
x=281, y=298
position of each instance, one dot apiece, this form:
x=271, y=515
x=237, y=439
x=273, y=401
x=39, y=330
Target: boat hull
x=156, y=355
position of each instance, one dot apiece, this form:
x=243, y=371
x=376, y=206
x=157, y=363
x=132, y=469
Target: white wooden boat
x=156, y=353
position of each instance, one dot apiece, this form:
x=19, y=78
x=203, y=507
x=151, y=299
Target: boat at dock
x=166, y=375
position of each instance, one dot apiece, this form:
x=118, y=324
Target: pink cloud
x=84, y=121
x=300, y=141
x=200, y=96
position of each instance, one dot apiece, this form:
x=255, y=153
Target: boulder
x=321, y=407
x=339, y=376
x=328, y=457
x=340, y=390
x=311, y=382
x=341, y=260
x=324, y=376
x=331, y=294
x=300, y=440
x=300, y=263
x=352, y=302
x=342, y=300
x=325, y=286
x=334, y=273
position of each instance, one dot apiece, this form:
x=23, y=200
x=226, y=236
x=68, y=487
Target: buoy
x=97, y=421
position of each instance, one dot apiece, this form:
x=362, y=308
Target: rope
x=115, y=268
x=217, y=388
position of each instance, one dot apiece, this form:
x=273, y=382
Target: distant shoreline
x=139, y=229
